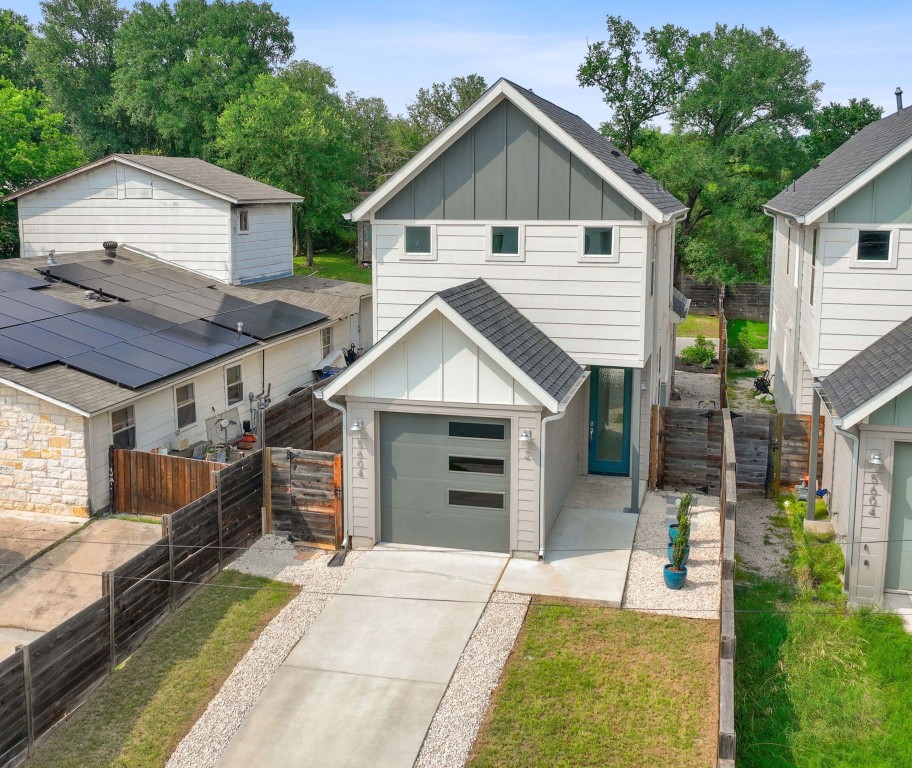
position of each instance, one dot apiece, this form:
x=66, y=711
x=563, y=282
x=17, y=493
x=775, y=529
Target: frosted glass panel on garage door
x=432, y=493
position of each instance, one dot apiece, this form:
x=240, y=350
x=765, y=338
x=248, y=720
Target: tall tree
x=436, y=107
x=177, y=67
x=372, y=128
x=636, y=92
x=15, y=34
x=74, y=57
x=33, y=147
x=833, y=125
x=282, y=133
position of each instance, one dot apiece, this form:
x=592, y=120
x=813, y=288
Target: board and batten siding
x=594, y=311
x=886, y=199
x=180, y=225
x=507, y=168
x=264, y=252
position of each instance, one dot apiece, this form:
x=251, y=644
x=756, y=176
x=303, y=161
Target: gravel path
x=646, y=590
x=274, y=557
x=455, y=725
x=694, y=387
x=760, y=546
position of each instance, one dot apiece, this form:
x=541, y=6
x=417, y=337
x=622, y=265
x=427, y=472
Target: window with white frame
x=598, y=244
x=814, y=239
x=874, y=245
x=123, y=428
x=505, y=243
x=326, y=340
x=234, y=383
x=418, y=242
x=185, y=401
x=243, y=221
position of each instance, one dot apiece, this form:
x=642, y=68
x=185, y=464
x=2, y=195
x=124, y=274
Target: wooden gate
x=305, y=498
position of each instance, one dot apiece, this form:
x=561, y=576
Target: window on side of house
x=873, y=245
x=813, y=266
x=234, y=383
x=418, y=242
x=788, y=251
x=185, y=400
x=243, y=221
x=505, y=243
x=326, y=341
x=598, y=241
x=123, y=428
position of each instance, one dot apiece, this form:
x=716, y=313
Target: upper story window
x=788, y=251
x=185, y=400
x=873, y=245
x=598, y=244
x=814, y=240
x=505, y=243
x=243, y=221
x=418, y=242
x=123, y=428
x=326, y=340
x=234, y=384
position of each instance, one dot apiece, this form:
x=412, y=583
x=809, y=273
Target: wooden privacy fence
x=793, y=450
x=158, y=484
x=303, y=421
x=723, y=353
x=42, y=682
x=728, y=507
x=305, y=497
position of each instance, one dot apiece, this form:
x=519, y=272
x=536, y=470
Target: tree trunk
x=310, y=247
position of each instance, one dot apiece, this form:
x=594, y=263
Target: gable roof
x=854, y=161
x=873, y=377
x=509, y=337
x=190, y=171
x=569, y=129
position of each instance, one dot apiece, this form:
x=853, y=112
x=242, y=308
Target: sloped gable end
x=507, y=167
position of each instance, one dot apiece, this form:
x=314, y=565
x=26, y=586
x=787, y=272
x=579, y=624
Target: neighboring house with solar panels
x=840, y=338
x=184, y=210
x=524, y=325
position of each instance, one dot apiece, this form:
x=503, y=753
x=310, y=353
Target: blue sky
x=390, y=49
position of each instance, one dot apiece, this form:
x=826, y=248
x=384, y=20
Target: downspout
x=541, y=480
x=346, y=496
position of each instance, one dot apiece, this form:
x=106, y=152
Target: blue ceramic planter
x=686, y=554
x=672, y=532
x=674, y=579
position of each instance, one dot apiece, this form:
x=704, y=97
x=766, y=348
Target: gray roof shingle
x=606, y=152
x=873, y=370
x=859, y=153
x=516, y=336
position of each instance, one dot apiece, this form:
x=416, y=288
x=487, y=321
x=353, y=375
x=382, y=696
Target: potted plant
x=675, y=572
x=683, y=511
x=682, y=530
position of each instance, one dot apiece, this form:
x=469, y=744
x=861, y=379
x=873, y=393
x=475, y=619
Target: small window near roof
x=326, y=341
x=234, y=384
x=873, y=245
x=243, y=221
x=505, y=241
x=123, y=428
x=598, y=241
x=186, y=405
x=418, y=241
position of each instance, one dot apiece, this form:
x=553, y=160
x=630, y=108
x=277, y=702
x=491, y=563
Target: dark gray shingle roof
x=680, y=304
x=605, y=151
x=870, y=372
x=859, y=153
x=516, y=336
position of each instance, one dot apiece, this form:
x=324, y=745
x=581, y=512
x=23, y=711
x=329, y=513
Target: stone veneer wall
x=43, y=465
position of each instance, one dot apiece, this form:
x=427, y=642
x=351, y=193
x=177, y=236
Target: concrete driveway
x=25, y=534
x=361, y=687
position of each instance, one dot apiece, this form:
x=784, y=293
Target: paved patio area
x=25, y=534
x=587, y=552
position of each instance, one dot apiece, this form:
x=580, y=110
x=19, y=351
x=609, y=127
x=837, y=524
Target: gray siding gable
x=507, y=168
x=886, y=199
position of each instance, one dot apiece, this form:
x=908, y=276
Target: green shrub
x=741, y=354
x=701, y=352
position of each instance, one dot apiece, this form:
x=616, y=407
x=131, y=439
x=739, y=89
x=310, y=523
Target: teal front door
x=899, y=548
x=609, y=421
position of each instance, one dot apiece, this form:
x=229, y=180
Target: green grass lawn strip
x=142, y=711
x=592, y=686
x=757, y=332
x=334, y=266
x=697, y=325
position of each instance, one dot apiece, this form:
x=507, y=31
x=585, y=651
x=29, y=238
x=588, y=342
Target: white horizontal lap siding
x=180, y=225
x=858, y=304
x=266, y=249
x=782, y=342
x=594, y=311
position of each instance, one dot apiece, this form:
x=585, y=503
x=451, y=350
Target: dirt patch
x=713, y=367
x=741, y=394
x=694, y=389
x=762, y=544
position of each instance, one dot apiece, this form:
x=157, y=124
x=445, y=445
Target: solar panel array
x=164, y=322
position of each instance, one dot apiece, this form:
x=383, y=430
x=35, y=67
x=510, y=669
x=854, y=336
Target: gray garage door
x=445, y=481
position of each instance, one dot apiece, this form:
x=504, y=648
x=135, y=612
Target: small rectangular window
x=788, y=251
x=813, y=267
x=481, y=499
x=873, y=245
x=477, y=430
x=326, y=340
x=418, y=241
x=186, y=405
x=598, y=241
x=243, y=222
x=481, y=465
x=123, y=428
x=234, y=384
x=505, y=241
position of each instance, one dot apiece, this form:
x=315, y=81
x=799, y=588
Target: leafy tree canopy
x=178, y=66
x=833, y=125
x=15, y=33
x=436, y=107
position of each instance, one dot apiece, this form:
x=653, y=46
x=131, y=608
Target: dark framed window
x=598, y=241
x=418, y=240
x=477, y=430
x=243, y=221
x=505, y=241
x=481, y=465
x=873, y=245
x=123, y=428
x=186, y=405
x=326, y=340
x=234, y=384
x=481, y=499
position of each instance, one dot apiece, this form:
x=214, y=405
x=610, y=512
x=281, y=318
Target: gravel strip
x=455, y=725
x=760, y=546
x=646, y=590
x=694, y=387
x=271, y=556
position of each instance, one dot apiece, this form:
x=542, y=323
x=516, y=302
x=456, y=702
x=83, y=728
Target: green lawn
x=818, y=685
x=335, y=266
x=141, y=712
x=699, y=325
x=757, y=332
x=592, y=686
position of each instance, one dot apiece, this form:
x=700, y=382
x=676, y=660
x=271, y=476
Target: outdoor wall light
x=525, y=435
x=875, y=458
x=357, y=426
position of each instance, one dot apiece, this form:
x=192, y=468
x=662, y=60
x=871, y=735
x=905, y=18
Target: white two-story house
x=523, y=327
x=840, y=341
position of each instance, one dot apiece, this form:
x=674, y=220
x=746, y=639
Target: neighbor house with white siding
x=839, y=341
x=523, y=325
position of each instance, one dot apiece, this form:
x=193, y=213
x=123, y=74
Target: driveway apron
x=361, y=687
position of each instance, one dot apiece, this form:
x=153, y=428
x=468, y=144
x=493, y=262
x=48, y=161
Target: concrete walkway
x=362, y=686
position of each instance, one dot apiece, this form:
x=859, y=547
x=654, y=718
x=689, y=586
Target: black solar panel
x=206, y=338
x=95, y=319
x=52, y=343
x=273, y=318
x=72, y=273
x=169, y=348
x=109, y=267
x=189, y=281
x=211, y=301
x=110, y=369
x=22, y=312
x=14, y=281
x=6, y=321
x=134, y=285
x=127, y=352
x=153, y=306
x=156, y=284
x=42, y=301
x=129, y=314
x=83, y=334
x=105, y=286
x=221, y=335
x=23, y=355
